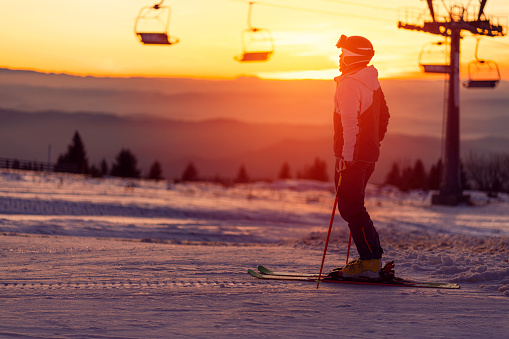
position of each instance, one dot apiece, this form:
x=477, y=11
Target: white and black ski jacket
x=361, y=115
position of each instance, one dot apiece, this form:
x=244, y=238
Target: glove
x=341, y=164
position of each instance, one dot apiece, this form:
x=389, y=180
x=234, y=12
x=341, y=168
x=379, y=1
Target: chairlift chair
x=152, y=25
x=428, y=59
x=257, y=43
x=482, y=73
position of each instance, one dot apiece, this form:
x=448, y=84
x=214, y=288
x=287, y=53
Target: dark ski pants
x=351, y=207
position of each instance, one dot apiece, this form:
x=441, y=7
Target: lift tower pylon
x=459, y=19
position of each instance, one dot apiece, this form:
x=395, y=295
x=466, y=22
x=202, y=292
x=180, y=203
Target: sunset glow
x=97, y=38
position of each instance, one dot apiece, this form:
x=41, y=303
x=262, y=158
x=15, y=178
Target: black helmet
x=356, y=45
x=357, y=52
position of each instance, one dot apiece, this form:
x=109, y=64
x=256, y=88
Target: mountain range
x=216, y=147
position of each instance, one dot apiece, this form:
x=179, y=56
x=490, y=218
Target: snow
x=115, y=258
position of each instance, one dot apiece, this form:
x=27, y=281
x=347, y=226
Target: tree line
x=412, y=177
x=125, y=165
x=487, y=173
x=316, y=171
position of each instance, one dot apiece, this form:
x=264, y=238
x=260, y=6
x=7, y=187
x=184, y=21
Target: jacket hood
x=368, y=76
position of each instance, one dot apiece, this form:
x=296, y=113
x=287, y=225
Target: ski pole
x=348, y=251
x=330, y=224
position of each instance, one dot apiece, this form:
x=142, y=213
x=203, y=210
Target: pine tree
x=242, y=176
x=419, y=177
x=125, y=165
x=284, y=173
x=317, y=171
x=405, y=184
x=155, y=172
x=435, y=175
x=94, y=171
x=104, y=167
x=75, y=160
x=190, y=173
x=393, y=177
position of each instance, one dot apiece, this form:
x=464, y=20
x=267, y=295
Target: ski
x=295, y=277
x=395, y=282
x=266, y=271
x=388, y=280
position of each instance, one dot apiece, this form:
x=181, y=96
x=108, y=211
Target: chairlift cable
x=468, y=4
x=448, y=12
x=319, y=11
x=361, y=5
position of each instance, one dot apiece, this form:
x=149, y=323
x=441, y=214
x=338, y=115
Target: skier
x=361, y=117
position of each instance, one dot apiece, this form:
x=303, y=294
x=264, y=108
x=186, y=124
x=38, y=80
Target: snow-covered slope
x=86, y=257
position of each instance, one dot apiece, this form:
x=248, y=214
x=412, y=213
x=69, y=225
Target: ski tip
x=264, y=270
x=254, y=274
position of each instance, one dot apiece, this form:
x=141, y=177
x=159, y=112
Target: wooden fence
x=40, y=166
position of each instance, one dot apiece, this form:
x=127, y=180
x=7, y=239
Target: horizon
x=409, y=77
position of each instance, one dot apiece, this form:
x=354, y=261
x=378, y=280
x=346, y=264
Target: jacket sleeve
x=383, y=118
x=348, y=106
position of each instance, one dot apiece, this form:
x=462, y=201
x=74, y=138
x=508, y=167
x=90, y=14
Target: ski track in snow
x=112, y=258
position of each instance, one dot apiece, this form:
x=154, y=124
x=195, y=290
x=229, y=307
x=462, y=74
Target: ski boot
x=385, y=274
x=362, y=269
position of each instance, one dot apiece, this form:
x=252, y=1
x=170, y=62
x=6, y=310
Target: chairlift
x=432, y=56
x=152, y=25
x=482, y=73
x=257, y=43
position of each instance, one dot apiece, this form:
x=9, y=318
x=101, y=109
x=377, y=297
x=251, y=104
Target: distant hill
x=217, y=147
x=416, y=106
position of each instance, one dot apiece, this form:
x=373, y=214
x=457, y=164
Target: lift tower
x=451, y=26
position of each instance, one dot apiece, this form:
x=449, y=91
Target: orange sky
x=95, y=37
